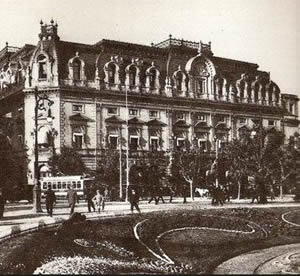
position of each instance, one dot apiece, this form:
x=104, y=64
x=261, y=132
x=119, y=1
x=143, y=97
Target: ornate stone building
x=169, y=93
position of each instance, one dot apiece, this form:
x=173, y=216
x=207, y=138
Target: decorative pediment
x=114, y=120
x=202, y=125
x=135, y=121
x=222, y=126
x=181, y=124
x=243, y=128
x=155, y=123
x=80, y=118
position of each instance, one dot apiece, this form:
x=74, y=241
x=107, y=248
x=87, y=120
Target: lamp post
x=39, y=105
x=127, y=147
x=217, y=141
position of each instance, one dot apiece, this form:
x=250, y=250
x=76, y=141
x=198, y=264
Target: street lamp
x=217, y=141
x=39, y=105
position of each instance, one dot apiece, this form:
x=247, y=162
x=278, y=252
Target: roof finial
x=52, y=21
x=170, y=36
x=41, y=22
x=6, y=44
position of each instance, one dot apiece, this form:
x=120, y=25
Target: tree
x=261, y=155
x=236, y=154
x=68, y=162
x=190, y=165
x=282, y=165
x=108, y=170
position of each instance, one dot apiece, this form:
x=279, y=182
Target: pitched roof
x=155, y=122
x=202, y=124
x=114, y=120
x=135, y=121
x=80, y=117
x=181, y=123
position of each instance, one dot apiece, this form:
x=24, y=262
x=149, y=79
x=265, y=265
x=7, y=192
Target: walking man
x=99, y=199
x=133, y=197
x=72, y=199
x=50, y=200
x=89, y=199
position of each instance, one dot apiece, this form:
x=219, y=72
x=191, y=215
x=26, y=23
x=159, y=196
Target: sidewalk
x=18, y=217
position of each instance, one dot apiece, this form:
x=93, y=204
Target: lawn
x=180, y=242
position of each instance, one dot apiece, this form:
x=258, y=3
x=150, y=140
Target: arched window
x=132, y=75
x=42, y=67
x=152, y=73
x=178, y=79
x=242, y=88
x=111, y=73
x=76, y=69
x=256, y=89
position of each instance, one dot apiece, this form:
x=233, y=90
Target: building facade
x=151, y=97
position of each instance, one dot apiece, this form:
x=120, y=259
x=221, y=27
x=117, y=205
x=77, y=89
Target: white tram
x=60, y=184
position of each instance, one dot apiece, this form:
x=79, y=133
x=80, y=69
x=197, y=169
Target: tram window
x=44, y=185
x=64, y=186
x=58, y=186
x=78, y=185
x=74, y=184
x=54, y=186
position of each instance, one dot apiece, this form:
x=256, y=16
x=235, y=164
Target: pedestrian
x=160, y=195
x=153, y=193
x=133, y=197
x=50, y=200
x=89, y=199
x=184, y=192
x=72, y=198
x=171, y=192
x=2, y=204
x=98, y=199
x=254, y=194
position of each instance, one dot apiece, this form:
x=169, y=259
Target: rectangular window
x=77, y=107
x=291, y=108
x=133, y=112
x=180, y=143
x=203, y=144
x=42, y=70
x=113, y=141
x=242, y=121
x=222, y=119
x=180, y=115
x=153, y=143
x=201, y=117
x=271, y=123
x=134, y=142
x=78, y=139
x=200, y=86
x=153, y=114
x=112, y=110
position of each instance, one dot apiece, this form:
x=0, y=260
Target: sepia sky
x=265, y=32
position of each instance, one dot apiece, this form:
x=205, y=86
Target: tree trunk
x=191, y=190
x=281, y=191
x=239, y=190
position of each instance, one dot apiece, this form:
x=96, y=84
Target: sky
x=265, y=32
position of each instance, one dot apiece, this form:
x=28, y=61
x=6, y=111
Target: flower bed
x=109, y=246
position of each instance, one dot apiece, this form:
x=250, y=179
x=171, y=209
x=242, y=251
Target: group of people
x=93, y=200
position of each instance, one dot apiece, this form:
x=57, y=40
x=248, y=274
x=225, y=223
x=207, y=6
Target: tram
x=60, y=184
